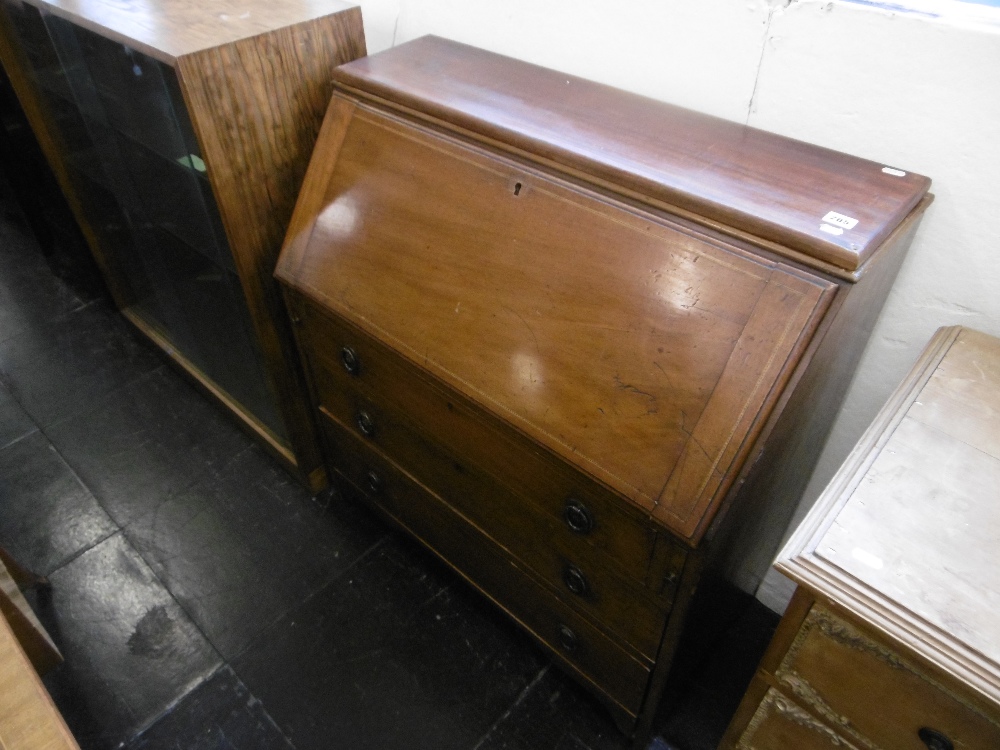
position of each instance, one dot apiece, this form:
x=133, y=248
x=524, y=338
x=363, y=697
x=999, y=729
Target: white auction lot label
x=839, y=220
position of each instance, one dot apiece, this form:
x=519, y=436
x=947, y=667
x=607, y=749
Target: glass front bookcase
x=128, y=151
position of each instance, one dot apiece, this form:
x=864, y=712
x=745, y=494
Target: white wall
x=905, y=89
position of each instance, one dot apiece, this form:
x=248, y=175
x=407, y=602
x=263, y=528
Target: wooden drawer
x=780, y=724
x=873, y=695
x=621, y=677
x=526, y=534
x=629, y=542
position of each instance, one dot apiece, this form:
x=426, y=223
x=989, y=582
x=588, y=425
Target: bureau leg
x=693, y=569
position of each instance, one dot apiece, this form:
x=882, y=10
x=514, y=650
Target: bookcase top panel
x=169, y=29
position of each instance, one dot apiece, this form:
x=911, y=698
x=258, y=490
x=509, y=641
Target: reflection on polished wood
x=893, y=630
x=576, y=338
x=578, y=350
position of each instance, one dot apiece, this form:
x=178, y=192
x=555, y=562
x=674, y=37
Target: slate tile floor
x=203, y=600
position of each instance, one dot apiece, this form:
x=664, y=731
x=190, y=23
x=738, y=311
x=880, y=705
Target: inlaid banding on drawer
x=629, y=540
x=620, y=677
x=582, y=577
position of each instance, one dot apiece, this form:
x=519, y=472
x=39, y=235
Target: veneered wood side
x=29, y=719
x=646, y=355
x=169, y=29
x=256, y=106
x=775, y=187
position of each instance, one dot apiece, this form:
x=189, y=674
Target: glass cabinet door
x=138, y=170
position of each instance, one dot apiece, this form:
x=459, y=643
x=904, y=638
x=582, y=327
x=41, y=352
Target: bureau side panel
x=748, y=538
x=256, y=106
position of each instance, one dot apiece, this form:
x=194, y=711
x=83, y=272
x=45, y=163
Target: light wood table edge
x=29, y=719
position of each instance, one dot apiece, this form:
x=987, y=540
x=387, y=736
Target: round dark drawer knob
x=934, y=739
x=374, y=482
x=567, y=639
x=365, y=423
x=575, y=580
x=349, y=358
x=578, y=517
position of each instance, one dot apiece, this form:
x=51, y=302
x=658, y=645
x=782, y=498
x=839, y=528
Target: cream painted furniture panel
x=892, y=641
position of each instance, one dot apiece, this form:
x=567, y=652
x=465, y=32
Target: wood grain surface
x=29, y=719
x=644, y=354
x=775, y=187
x=170, y=29
x=257, y=105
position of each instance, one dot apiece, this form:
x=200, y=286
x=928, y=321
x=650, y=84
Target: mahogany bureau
x=892, y=639
x=559, y=332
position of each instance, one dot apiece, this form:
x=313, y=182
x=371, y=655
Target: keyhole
x=517, y=188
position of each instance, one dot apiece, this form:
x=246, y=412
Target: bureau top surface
x=908, y=531
x=828, y=205
x=169, y=29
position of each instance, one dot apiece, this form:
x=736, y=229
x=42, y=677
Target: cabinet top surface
x=828, y=205
x=911, y=524
x=169, y=29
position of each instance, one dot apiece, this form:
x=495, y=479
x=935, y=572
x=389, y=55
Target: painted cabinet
x=891, y=640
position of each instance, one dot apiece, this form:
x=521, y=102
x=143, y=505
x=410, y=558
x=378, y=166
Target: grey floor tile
x=46, y=515
x=60, y=369
x=396, y=653
x=241, y=549
x=220, y=714
x=14, y=421
x=131, y=652
x=147, y=441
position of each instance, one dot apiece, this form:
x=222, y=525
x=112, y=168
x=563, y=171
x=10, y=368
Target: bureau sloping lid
x=823, y=203
x=907, y=534
x=646, y=354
